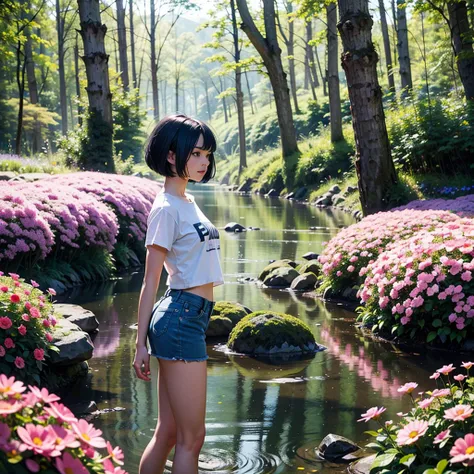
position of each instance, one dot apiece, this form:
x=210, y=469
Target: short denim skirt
x=178, y=324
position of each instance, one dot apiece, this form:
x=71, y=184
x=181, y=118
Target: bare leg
x=156, y=453
x=186, y=383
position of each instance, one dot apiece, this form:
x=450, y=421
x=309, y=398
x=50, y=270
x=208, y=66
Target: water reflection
x=261, y=418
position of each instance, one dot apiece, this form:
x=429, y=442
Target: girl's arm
x=155, y=258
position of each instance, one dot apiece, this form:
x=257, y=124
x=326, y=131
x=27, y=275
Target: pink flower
x=14, y=276
x=7, y=408
x=442, y=436
x=88, y=434
x=34, y=284
x=64, y=438
x=9, y=386
x=43, y=394
x=435, y=375
x=407, y=388
x=22, y=329
x=5, y=322
x=38, y=439
x=446, y=369
x=51, y=291
x=20, y=362
x=116, y=454
x=61, y=412
x=444, y=392
x=46, y=323
x=4, y=289
x=460, y=378
x=27, y=292
x=32, y=465
x=412, y=432
x=38, y=354
x=2, y=351
x=25, y=317
x=467, y=365
x=49, y=337
x=426, y=402
x=458, y=413
x=69, y=465
x=4, y=434
x=34, y=312
x=15, y=298
x=8, y=343
x=372, y=414
x=463, y=450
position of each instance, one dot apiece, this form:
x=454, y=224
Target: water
x=260, y=418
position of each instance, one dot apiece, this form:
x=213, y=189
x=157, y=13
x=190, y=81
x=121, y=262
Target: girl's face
x=198, y=161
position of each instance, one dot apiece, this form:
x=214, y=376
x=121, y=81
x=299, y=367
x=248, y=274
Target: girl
x=180, y=238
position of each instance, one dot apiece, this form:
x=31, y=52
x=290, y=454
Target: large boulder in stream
x=312, y=266
x=225, y=316
x=76, y=314
x=274, y=265
x=281, y=277
x=266, y=333
x=306, y=281
x=336, y=448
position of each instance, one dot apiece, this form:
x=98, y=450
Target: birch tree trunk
x=98, y=150
x=122, y=44
x=386, y=46
x=461, y=37
x=154, y=64
x=270, y=52
x=132, y=45
x=403, y=50
x=333, y=74
x=375, y=170
x=33, y=90
x=78, y=87
x=61, y=70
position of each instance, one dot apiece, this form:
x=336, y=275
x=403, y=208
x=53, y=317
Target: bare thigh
x=166, y=421
x=186, y=385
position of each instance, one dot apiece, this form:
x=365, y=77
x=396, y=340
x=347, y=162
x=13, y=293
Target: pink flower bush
x=32, y=441
x=428, y=304
x=25, y=342
x=372, y=414
x=438, y=431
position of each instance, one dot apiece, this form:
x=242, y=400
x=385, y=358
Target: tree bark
x=403, y=50
x=154, y=64
x=270, y=52
x=239, y=99
x=224, y=105
x=61, y=70
x=374, y=166
x=33, y=91
x=249, y=93
x=208, y=104
x=461, y=38
x=78, y=86
x=132, y=45
x=386, y=46
x=323, y=77
x=122, y=43
x=98, y=151
x=20, y=80
x=333, y=74
x=310, y=58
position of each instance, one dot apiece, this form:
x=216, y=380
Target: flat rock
x=334, y=447
x=272, y=193
x=30, y=177
x=7, y=175
x=310, y=256
x=306, y=281
x=362, y=466
x=76, y=314
x=74, y=344
x=234, y=227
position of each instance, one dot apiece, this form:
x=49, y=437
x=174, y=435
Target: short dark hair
x=179, y=133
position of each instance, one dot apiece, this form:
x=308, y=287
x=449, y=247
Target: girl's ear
x=171, y=157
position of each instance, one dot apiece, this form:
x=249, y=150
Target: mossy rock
x=306, y=281
x=234, y=311
x=281, y=277
x=269, y=333
x=277, y=264
x=312, y=266
x=219, y=326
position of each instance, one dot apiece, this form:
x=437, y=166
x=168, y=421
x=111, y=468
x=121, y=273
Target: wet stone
x=334, y=448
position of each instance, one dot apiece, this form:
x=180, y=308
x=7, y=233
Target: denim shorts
x=178, y=324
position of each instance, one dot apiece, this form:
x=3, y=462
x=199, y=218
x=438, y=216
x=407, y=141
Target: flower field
x=47, y=224
x=414, y=270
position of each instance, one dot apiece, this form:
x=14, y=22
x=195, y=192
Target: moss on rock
x=277, y=264
x=281, y=277
x=312, y=266
x=306, y=281
x=267, y=332
x=234, y=311
x=219, y=326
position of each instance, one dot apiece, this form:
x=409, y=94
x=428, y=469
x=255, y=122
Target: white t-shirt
x=192, y=242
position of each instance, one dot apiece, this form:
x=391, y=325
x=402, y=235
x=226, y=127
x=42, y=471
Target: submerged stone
x=281, y=277
x=334, y=448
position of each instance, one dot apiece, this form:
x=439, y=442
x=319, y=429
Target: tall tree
x=309, y=56
x=403, y=49
x=289, y=41
x=97, y=152
x=122, y=44
x=386, y=46
x=374, y=166
x=132, y=44
x=270, y=52
x=33, y=89
x=333, y=74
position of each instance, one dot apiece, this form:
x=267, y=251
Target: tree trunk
x=238, y=89
x=333, y=74
x=78, y=86
x=270, y=52
x=386, y=46
x=461, y=38
x=375, y=170
x=33, y=90
x=249, y=93
x=122, y=41
x=195, y=97
x=403, y=50
x=323, y=77
x=154, y=64
x=208, y=104
x=310, y=56
x=61, y=70
x=20, y=80
x=176, y=95
x=290, y=46
x=98, y=151
x=395, y=28
x=132, y=45
x=308, y=66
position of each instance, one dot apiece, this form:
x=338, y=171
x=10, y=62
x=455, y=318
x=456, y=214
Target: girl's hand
x=141, y=363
